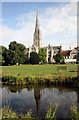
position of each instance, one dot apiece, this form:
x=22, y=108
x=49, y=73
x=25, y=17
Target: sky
x=58, y=23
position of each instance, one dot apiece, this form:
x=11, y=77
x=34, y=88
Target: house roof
x=65, y=53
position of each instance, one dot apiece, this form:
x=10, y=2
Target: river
x=38, y=98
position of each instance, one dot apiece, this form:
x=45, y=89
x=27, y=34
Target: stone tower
x=37, y=33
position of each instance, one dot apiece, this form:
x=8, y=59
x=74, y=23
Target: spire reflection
x=37, y=95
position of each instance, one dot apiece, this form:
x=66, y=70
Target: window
x=75, y=56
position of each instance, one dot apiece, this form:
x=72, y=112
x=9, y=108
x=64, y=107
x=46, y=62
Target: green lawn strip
x=38, y=73
x=38, y=69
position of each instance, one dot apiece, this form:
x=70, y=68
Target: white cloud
x=58, y=25
x=23, y=35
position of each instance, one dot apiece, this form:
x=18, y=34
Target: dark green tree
x=57, y=57
x=17, y=53
x=4, y=57
x=42, y=55
x=34, y=58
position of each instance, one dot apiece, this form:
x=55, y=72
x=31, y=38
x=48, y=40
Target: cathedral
x=37, y=44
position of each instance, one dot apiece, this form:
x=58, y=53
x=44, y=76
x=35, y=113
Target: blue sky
x=12, y=10
x=58, y=23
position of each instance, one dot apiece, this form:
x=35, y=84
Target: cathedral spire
x=37, y=33
x=37, y=20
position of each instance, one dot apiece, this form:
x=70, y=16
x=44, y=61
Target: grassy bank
x=56, y=80
x=39, y=74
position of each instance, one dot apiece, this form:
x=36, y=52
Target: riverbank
x=55, y=80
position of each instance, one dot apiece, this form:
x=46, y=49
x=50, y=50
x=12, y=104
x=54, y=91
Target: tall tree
x=57, y=57
x=42, y=55
x=17, y=53
x=34, y=58
x=4, y=55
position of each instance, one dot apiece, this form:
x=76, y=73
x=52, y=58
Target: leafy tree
x=4, y=55
x=34, y=58
x=42, y=55
x=17, y=53
x=62, y=59
x=57, y=57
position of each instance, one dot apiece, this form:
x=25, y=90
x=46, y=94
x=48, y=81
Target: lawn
x=36, y=70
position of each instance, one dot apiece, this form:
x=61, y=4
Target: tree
x=62, y=59
x=17, y=53
x=42, y=55
x=34, y=58
x=57, y=57
x=4, y=55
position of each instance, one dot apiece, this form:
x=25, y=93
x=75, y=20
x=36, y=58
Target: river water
x=38, y=98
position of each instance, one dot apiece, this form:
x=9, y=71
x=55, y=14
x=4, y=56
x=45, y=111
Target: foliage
x=62, y=59
x=27, y=61
x=74, y=113
x=34, y=58
x=4, y=55
x=16, y=53
x=42, y=55
x=9, y=113
x=57, y=57
x=50, y=112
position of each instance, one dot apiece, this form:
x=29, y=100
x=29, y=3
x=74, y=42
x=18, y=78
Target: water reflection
x=37, y=95
x=32, y=97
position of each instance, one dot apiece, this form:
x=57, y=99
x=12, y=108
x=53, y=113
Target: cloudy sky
x=58, y=23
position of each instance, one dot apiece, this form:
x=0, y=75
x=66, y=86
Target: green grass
x=39, y=74
x=36, y=70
